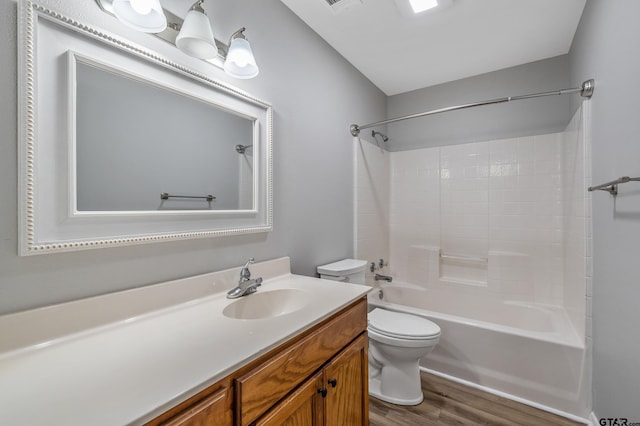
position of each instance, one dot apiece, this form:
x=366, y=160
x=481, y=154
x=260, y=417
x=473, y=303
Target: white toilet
x=397, y=341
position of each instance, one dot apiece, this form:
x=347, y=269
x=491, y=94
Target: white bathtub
x=527, y=351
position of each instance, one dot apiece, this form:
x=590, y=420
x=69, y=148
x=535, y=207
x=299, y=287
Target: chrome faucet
x=246, y=285
x=380, y=277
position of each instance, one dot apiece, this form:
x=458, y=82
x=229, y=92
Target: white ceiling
x=400, y=53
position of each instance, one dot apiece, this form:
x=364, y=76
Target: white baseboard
x=589, y=421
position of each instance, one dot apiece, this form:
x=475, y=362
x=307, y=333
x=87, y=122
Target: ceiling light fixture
x=420, y=8
x=422, y=5
x=193, y=35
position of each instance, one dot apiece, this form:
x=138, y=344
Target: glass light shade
x=240, y=62
x=196, y=37
x=143, y=15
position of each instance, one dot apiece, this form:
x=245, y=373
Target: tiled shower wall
x=511, y=213
x=499, y=202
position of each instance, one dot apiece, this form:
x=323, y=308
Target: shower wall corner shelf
x=612, y=187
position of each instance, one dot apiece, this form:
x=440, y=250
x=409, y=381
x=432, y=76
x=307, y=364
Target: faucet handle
x=245, y=273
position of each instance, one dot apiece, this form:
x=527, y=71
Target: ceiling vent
x=338, y=6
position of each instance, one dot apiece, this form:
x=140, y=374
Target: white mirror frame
x=49, y=222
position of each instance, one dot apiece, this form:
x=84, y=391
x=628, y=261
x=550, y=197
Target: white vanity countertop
x=126, y=357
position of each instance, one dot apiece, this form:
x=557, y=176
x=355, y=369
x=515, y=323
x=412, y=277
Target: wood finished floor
x=450, y=403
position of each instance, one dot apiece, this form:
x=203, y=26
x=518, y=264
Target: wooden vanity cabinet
x=317, y=378
x=329, y=348
x=335, y=396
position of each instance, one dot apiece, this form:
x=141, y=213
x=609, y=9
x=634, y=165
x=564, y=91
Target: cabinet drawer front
x=263, y=386
x=210, y=407
x=211, y=411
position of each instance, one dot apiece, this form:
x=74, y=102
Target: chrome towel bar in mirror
x=166, y=196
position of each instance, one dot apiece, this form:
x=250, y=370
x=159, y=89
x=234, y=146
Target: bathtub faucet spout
x=380, y=277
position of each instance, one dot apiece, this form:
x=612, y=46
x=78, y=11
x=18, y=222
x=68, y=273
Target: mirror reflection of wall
x=135, y=141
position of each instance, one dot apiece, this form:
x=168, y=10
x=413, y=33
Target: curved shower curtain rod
x=586, y=91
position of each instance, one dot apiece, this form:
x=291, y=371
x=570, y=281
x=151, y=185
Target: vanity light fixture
x=193, y=35
x=240, y=62
x=143, y=15
x=196, y=37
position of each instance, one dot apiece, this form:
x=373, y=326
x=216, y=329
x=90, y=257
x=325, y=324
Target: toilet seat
x=403, y=326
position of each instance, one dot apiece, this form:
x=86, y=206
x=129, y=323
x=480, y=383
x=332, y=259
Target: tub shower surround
x=530, y=352
x=490, y=240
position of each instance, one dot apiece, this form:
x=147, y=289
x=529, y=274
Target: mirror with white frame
x=120, y=145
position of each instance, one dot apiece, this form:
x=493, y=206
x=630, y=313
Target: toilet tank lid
x=343, y=267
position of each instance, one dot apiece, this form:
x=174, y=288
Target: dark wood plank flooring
x=450, y=403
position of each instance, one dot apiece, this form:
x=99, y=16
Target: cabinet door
x=346, y=380
x=302, y=408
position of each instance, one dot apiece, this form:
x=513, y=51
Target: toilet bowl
x=397, y=341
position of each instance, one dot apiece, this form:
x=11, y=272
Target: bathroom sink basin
x=267, y=304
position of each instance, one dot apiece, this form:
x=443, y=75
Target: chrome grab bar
x=469, y=259
x=166, y=196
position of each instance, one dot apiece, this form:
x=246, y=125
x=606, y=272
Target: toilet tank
x=347, y=270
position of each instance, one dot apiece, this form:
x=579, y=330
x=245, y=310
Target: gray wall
x=315, y=94
x=606, y=48
x=520, y=118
